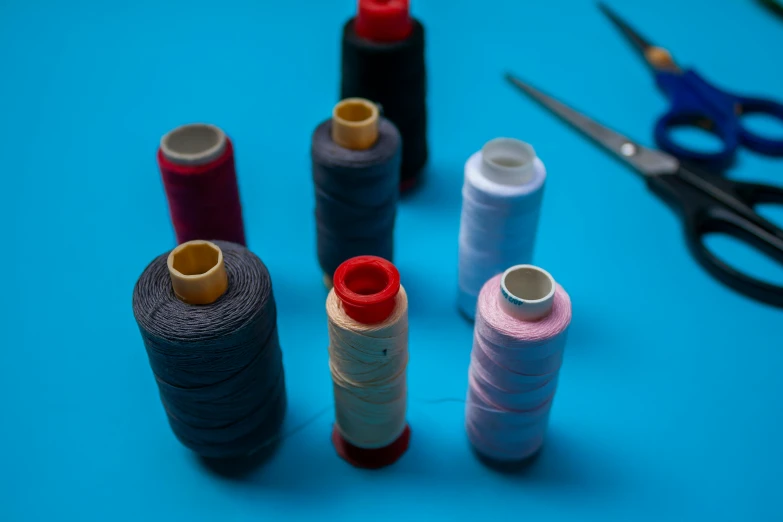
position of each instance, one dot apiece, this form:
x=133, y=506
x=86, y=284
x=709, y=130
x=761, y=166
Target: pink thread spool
x=519, y=336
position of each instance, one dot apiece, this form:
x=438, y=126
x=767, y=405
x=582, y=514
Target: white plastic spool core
x=193, y=144
x=527, y=292
x=508, y=161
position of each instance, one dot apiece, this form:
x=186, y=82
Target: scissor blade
x=636, y=40
x=648, y=162
x=653, y=56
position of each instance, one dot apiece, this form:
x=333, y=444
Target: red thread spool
x=383, y=20
x=367, y=287
x=199, y=176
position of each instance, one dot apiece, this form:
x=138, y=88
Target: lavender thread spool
x=519, y=337
x=501, y=202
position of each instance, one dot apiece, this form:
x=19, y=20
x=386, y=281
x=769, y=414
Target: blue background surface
x=670, y=398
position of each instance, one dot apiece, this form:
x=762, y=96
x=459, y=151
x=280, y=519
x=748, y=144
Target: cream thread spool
x=368, y=349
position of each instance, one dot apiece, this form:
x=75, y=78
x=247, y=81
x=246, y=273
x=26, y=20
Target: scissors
x=706, y=201
x=697, y=103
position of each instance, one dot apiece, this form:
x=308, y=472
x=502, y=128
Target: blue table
x=670, y=398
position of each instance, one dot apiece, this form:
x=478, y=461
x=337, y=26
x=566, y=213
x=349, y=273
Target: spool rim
x=535, y=305
x=174, y=150
x=375, y=458
x=372, y=306
x=508, y=161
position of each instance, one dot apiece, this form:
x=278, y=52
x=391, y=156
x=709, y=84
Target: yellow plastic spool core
x=198, y=274
x=355, y=123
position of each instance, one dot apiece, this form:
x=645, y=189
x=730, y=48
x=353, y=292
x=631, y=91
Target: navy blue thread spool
x=356, y=157
x=207, y=316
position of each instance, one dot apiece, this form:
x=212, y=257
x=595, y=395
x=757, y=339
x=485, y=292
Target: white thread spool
x=501, y=201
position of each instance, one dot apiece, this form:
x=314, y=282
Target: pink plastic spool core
x=367, y=287
x=383, y=20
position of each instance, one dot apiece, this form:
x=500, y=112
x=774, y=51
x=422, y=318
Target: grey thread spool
x=218, y=366
x=356, y=158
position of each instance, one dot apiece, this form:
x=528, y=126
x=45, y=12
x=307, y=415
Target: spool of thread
x=501, y=202
x=355, y=167
x=367, y=313
x=519, y=337
x=197, y=166
x=383, y=61
x=207, y=316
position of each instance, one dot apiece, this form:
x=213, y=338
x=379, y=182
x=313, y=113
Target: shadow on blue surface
x=564, y=463
x=238, y=469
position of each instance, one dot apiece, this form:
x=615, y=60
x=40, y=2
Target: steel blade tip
x=514, y=80
x=615, y=18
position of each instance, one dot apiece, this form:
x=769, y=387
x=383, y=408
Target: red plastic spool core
x=367, y=287
x=383, y=20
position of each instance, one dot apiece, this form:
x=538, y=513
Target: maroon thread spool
x=367, y=287
x=199, y=176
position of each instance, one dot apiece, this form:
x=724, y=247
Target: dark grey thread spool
x=356, y=175
x=218, y=366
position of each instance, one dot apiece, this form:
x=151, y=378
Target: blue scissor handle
x=695, y=102
x=756, y=142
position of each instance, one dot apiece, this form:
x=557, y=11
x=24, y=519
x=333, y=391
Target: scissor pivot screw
x=628, y=149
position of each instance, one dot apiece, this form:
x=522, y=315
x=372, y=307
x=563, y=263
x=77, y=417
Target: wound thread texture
x=497, y=227
x=513, y=375
x=204, y=199
x=392, y=74
x=218, y=367
x=368, y=365
x=355, y=196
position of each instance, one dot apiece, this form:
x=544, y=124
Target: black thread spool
x=207, y=316
x=383, y=61
x=356, y=166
